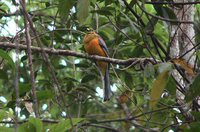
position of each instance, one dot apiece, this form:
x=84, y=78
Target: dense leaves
x=83, y=7
x=65, y=125
x=69, y=89
x=194, y=89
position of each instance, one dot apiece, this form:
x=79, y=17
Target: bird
x=95, y=45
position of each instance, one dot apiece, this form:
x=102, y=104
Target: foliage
x=68, y=87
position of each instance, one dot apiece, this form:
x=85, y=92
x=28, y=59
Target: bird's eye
x=88, y=29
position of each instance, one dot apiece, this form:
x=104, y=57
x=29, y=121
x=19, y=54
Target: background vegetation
x=54, y=86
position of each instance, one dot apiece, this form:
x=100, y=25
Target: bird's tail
x=106, y=81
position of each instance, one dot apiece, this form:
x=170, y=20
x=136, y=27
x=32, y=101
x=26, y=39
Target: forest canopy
x=48, y=82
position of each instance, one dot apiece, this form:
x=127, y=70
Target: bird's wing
x=103, y=45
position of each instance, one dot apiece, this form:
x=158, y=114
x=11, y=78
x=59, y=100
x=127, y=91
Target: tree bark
x=182, y=40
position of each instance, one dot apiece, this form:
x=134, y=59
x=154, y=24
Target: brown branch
x=57, y=87
x=33, y=13
x=172, y=3
x=57, y=121
x=21, y=122
x=165, y=19
x=28, y=41
x=16, y=84
x=80, y=55
x=134, y=117
x=134, y=13
x=102, y=121
x=100, y=126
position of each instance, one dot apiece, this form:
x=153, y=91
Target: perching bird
x=95, y=45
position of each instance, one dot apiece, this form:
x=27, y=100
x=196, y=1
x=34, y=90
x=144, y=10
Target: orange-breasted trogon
x=95, y=45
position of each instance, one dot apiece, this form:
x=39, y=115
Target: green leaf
x=24, y=58
x=24, y=88
x=193, y=127
x=3, y=75
x=87, y=78
x=102, y=12
x=108, y=2
x=151, y=25
x=47, y=4
x=65, y=125
x=163, y=67
x=3, y=114
x=159, y=116
x=196, y=115
x=27, y=127
x=133, y=25
x=149, y=71
x=82, y=10
x=33, y=125
x=45, y=94
x=137, y=52
x=37, y=123
x=54, y=111
x=128, y=80
x=165, y=12
x=171, y=86
x=6, y=129
x=158, y=87
x=64, y=7
x=194, y=90
x=5, y=56
x=169, y=13
x=11, y=104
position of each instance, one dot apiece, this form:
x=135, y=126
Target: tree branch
x=57, y=87
x=28, y=41
x=172, y=3
x=165, y=19
x=81, y=55
x=100, y=126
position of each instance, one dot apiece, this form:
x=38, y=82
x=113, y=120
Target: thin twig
x=134, y=13
x=57, y=87
x=28, y=42
x=100, y=126
x=171, y=3
x=134, y=117
x=17, y=69
x=165, y=19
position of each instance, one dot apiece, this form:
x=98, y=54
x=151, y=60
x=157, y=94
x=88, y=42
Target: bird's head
x=90, y=34
x=89, y=29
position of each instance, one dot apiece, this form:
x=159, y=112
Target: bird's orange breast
x=93, y=48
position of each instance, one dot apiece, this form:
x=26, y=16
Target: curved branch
x=81, y=55
x=100, y=126
x=29, y=53
x=165, y=19
x=172, y=3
